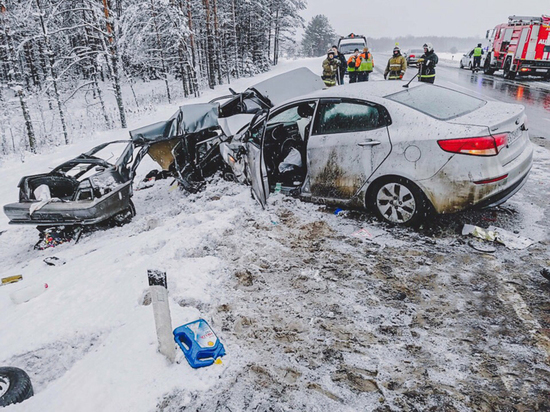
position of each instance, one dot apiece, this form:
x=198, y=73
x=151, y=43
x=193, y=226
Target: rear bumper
x=503, y=196
x=451, y=191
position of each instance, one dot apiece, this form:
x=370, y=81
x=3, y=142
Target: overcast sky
x=392, y=18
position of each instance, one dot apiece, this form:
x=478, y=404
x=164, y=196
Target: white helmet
x=428, y=46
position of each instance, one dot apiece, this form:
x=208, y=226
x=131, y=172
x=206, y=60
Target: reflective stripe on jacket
x=366, y=62
x=396, y=64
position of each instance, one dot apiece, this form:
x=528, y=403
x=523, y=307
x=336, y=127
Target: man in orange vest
x=353, y=64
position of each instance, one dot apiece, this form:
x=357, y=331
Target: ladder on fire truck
x=522, y=20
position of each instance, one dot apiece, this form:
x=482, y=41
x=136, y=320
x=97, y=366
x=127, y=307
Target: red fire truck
x=520, y=47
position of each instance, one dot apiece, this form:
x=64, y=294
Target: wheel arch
x=391, y=177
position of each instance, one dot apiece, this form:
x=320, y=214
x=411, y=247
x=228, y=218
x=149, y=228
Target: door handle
x=369, y=142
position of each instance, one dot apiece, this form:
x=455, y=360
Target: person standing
x=428, y=62
x=342, y=65
x=478, y=52
x=353, y=63
x=330, y=69
x=396, y=67
x=366, y=66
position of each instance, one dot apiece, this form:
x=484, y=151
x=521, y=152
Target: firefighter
x=366, y=66
x=395, y=69
x=330, y=69
x=342, y=65
x=353, y=63
x=428, y=61
x=478, y=52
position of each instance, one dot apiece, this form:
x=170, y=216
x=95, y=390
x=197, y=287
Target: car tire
x=461, y=65
x=470, y=66
x=398, y=201
x=15, y=386
x=126, y=216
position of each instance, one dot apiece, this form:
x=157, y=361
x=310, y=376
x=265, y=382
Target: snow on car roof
x=364, y=90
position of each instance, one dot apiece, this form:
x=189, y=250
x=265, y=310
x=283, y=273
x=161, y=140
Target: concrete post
x=161, y=310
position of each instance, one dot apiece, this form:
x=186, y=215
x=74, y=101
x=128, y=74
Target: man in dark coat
x=342, y=69
x=428, y=60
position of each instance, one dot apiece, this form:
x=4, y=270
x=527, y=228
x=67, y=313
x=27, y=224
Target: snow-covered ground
x=312, y=318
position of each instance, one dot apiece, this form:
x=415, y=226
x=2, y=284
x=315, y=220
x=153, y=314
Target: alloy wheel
x=396, y=203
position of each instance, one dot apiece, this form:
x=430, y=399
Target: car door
x=255, y=167
x=349, y=140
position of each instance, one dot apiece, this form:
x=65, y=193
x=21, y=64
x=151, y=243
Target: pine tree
x=318, y=37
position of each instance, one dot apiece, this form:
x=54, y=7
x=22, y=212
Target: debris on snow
x=496, y=234
x=54, y=261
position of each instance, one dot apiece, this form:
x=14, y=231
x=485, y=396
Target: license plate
x=512, y=137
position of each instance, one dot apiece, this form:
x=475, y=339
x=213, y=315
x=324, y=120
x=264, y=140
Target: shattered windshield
x=438, y=102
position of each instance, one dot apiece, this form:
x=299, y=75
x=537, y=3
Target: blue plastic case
x=199, y=343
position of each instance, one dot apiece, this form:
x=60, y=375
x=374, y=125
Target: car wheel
x=126, y=216
x=398, y=201
x=15, y=386
x=470, y=66
x=461, y=65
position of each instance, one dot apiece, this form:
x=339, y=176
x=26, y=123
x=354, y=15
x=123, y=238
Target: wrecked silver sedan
x=86, y=190
x=401, y=153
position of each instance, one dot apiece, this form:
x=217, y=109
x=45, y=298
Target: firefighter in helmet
x=478, y=52
x=395, y=69
x=330, y=69
x=428, y=61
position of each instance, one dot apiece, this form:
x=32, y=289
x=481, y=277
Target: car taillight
x=477, y=146
x=412, y=55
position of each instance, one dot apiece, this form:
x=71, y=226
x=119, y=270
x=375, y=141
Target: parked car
x=401, y=153
x=467, y=60
x=412, y=56
x=86, y=190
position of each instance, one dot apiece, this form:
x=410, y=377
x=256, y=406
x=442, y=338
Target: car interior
x=71, y=182
x=285, y=146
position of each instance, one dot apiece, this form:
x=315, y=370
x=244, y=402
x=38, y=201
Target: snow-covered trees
x=318, y=37
x=57, y=55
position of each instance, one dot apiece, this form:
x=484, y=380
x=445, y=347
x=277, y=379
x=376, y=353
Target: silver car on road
x=401, y=153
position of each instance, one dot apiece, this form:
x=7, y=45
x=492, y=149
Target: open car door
x=255, y=163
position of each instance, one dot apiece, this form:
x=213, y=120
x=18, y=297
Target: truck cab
x=520, y=47
x=346, y=45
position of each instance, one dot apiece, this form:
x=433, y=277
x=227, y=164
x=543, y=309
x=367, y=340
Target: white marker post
x=161, y=310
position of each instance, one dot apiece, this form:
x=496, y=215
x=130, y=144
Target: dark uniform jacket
x=428, y=65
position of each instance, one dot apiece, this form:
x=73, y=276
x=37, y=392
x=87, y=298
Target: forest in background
x=69, y=66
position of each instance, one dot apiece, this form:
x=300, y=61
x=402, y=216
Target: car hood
x=492, y=115
x=191, y=118
x=288, y=85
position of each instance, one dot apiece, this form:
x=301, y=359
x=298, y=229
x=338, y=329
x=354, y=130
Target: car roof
x=363, y=91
